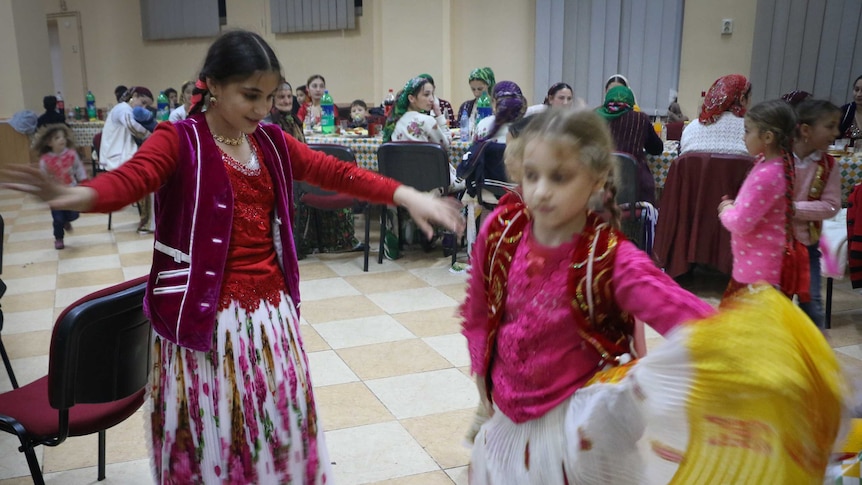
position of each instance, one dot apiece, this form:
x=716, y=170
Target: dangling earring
x=213, y=100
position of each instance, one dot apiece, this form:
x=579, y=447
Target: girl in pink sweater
x=756, y=220
x=552, y=299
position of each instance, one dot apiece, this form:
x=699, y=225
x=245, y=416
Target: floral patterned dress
x=243, y=412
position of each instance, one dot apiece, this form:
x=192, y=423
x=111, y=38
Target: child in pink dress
x=59, y=160
x=551, y=300
x=756, y=220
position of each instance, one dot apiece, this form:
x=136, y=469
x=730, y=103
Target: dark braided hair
x=775, y=116
x=234, y=56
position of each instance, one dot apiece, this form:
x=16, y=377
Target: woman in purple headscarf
x=509, y=106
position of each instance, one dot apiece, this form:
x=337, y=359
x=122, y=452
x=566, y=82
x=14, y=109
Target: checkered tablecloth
x=84, y=131
x=850, y=167
x=365, y=149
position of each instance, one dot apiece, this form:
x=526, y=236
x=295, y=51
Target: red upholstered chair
x=98, y=365
x=318, y=199
x=674, y=130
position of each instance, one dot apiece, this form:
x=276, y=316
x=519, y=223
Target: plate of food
x=357, y=132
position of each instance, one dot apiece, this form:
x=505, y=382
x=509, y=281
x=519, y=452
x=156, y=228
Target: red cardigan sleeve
x=145, y=172
x=330, y=173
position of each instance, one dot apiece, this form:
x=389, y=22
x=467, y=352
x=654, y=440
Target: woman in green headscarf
x=408, y=121
x=633, y=133
x=481, y=81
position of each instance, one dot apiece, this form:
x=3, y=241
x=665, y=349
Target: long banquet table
x=365, y=148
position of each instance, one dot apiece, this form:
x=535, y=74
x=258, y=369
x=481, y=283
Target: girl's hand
x=425, y=208
x=34, y=181
x=437, y=110
x=724, y=204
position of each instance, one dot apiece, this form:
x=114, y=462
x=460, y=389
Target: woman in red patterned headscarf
x=719, y=127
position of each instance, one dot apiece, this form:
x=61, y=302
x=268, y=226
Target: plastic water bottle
x=483, y=107
x=327, y=115
x=61, y=105
x=388, y=103
x=163, y=112
x=465, y=126
x=308, y=123
x=91, y=106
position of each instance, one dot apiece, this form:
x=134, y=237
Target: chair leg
x=367, y=213
x=8, y=365
x=109, y=220
x=33, y=463
x=828, y=319
x=101, y=475
x=383, y=210
x=315, y=214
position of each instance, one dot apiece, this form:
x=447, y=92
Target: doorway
x=66, y=44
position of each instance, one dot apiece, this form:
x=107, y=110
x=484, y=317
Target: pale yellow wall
x=35, y=61
x=708, y=55
x=10, y=76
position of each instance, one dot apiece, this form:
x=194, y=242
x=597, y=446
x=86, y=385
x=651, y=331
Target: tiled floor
x=389, y=366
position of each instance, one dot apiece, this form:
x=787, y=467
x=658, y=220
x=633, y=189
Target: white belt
x=179, y=256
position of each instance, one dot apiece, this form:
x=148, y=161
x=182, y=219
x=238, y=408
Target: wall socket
x=726, y=26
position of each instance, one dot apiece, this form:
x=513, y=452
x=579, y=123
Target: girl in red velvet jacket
x=232, y=400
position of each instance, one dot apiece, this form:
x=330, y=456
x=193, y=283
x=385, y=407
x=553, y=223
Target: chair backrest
x=97, y=142
x=674, y=130
x=424, y=166
x=627, y=178
x=100, y=347
x=340, y=152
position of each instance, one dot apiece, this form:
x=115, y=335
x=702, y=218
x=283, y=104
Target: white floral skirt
x=242, y=413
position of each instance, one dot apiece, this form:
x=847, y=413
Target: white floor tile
x=39, y=235
x=458, y=475
x=425, y=393
x=452, y=347
x=440, y=275
x=376, y=452
x=22, y=286
x=353, y=267
x=145, y=244
x=26, y=370
x=92, y=263
x=12, y=462
x=416, y=299
x=132, y=272
x=851, y=350
x=325, y=288
x=27, y=257
x=362, y=331
x=136, y=472
x=66, y=296
x=23, y=322
x=328, y=369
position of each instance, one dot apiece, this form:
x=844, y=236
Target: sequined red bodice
x=252, y=272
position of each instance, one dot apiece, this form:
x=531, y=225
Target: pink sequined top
x=756, y=222
x=541, y=359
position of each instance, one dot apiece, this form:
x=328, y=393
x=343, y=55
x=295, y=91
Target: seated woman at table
x=560, y=95
x=720, y=126
x=281, y=113
x=408, y=121
x=445, y=106
x=632, y=133
x=182, y=111
x=509, y=106
x=310, y=111
x=481, y=80
x=851, y=116
x=620, y=80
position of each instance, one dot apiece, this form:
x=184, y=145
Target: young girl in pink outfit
x=817, y=194
x=756, y=220
x=59, y=160
x=551, y=300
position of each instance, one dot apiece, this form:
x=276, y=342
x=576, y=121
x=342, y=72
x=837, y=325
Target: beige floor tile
x=12, y=462
x=452, y=347
x=326, y=288
x=376, y=452
x=432, y=478
x=428, y=323
x=458, y=475
x=327, y=369
x=104, y=277
x=26, y=369
x=84, y=251
x=30, y=321
x=66, y=296
x=90, y=263
x=11, y=271
x=456, y=291
x=382, y=282
x=11, y=247
x=441, y=436
x=135, y=472
x=439, y=275
x=353, y=266
x=349, y=405
x=27, y=344
x=321, y=311
x=36, y=300
x=392, y=359
x=24, y=286
x=315, y=271
x=34, y=254
x=124, y=442
x=841, y=335
x=35, y=227
x=311, y=340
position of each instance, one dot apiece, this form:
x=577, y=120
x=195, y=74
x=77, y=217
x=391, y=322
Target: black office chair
x=98, y=370
x=6, y=362
x=424, y=166
x=318, y=199
x=638, y=218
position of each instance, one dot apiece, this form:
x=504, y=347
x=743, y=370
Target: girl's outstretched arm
x=58, y=196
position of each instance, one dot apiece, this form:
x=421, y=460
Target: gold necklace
x=230, y=141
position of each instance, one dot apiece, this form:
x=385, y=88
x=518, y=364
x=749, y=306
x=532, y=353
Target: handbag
x=795, y=266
